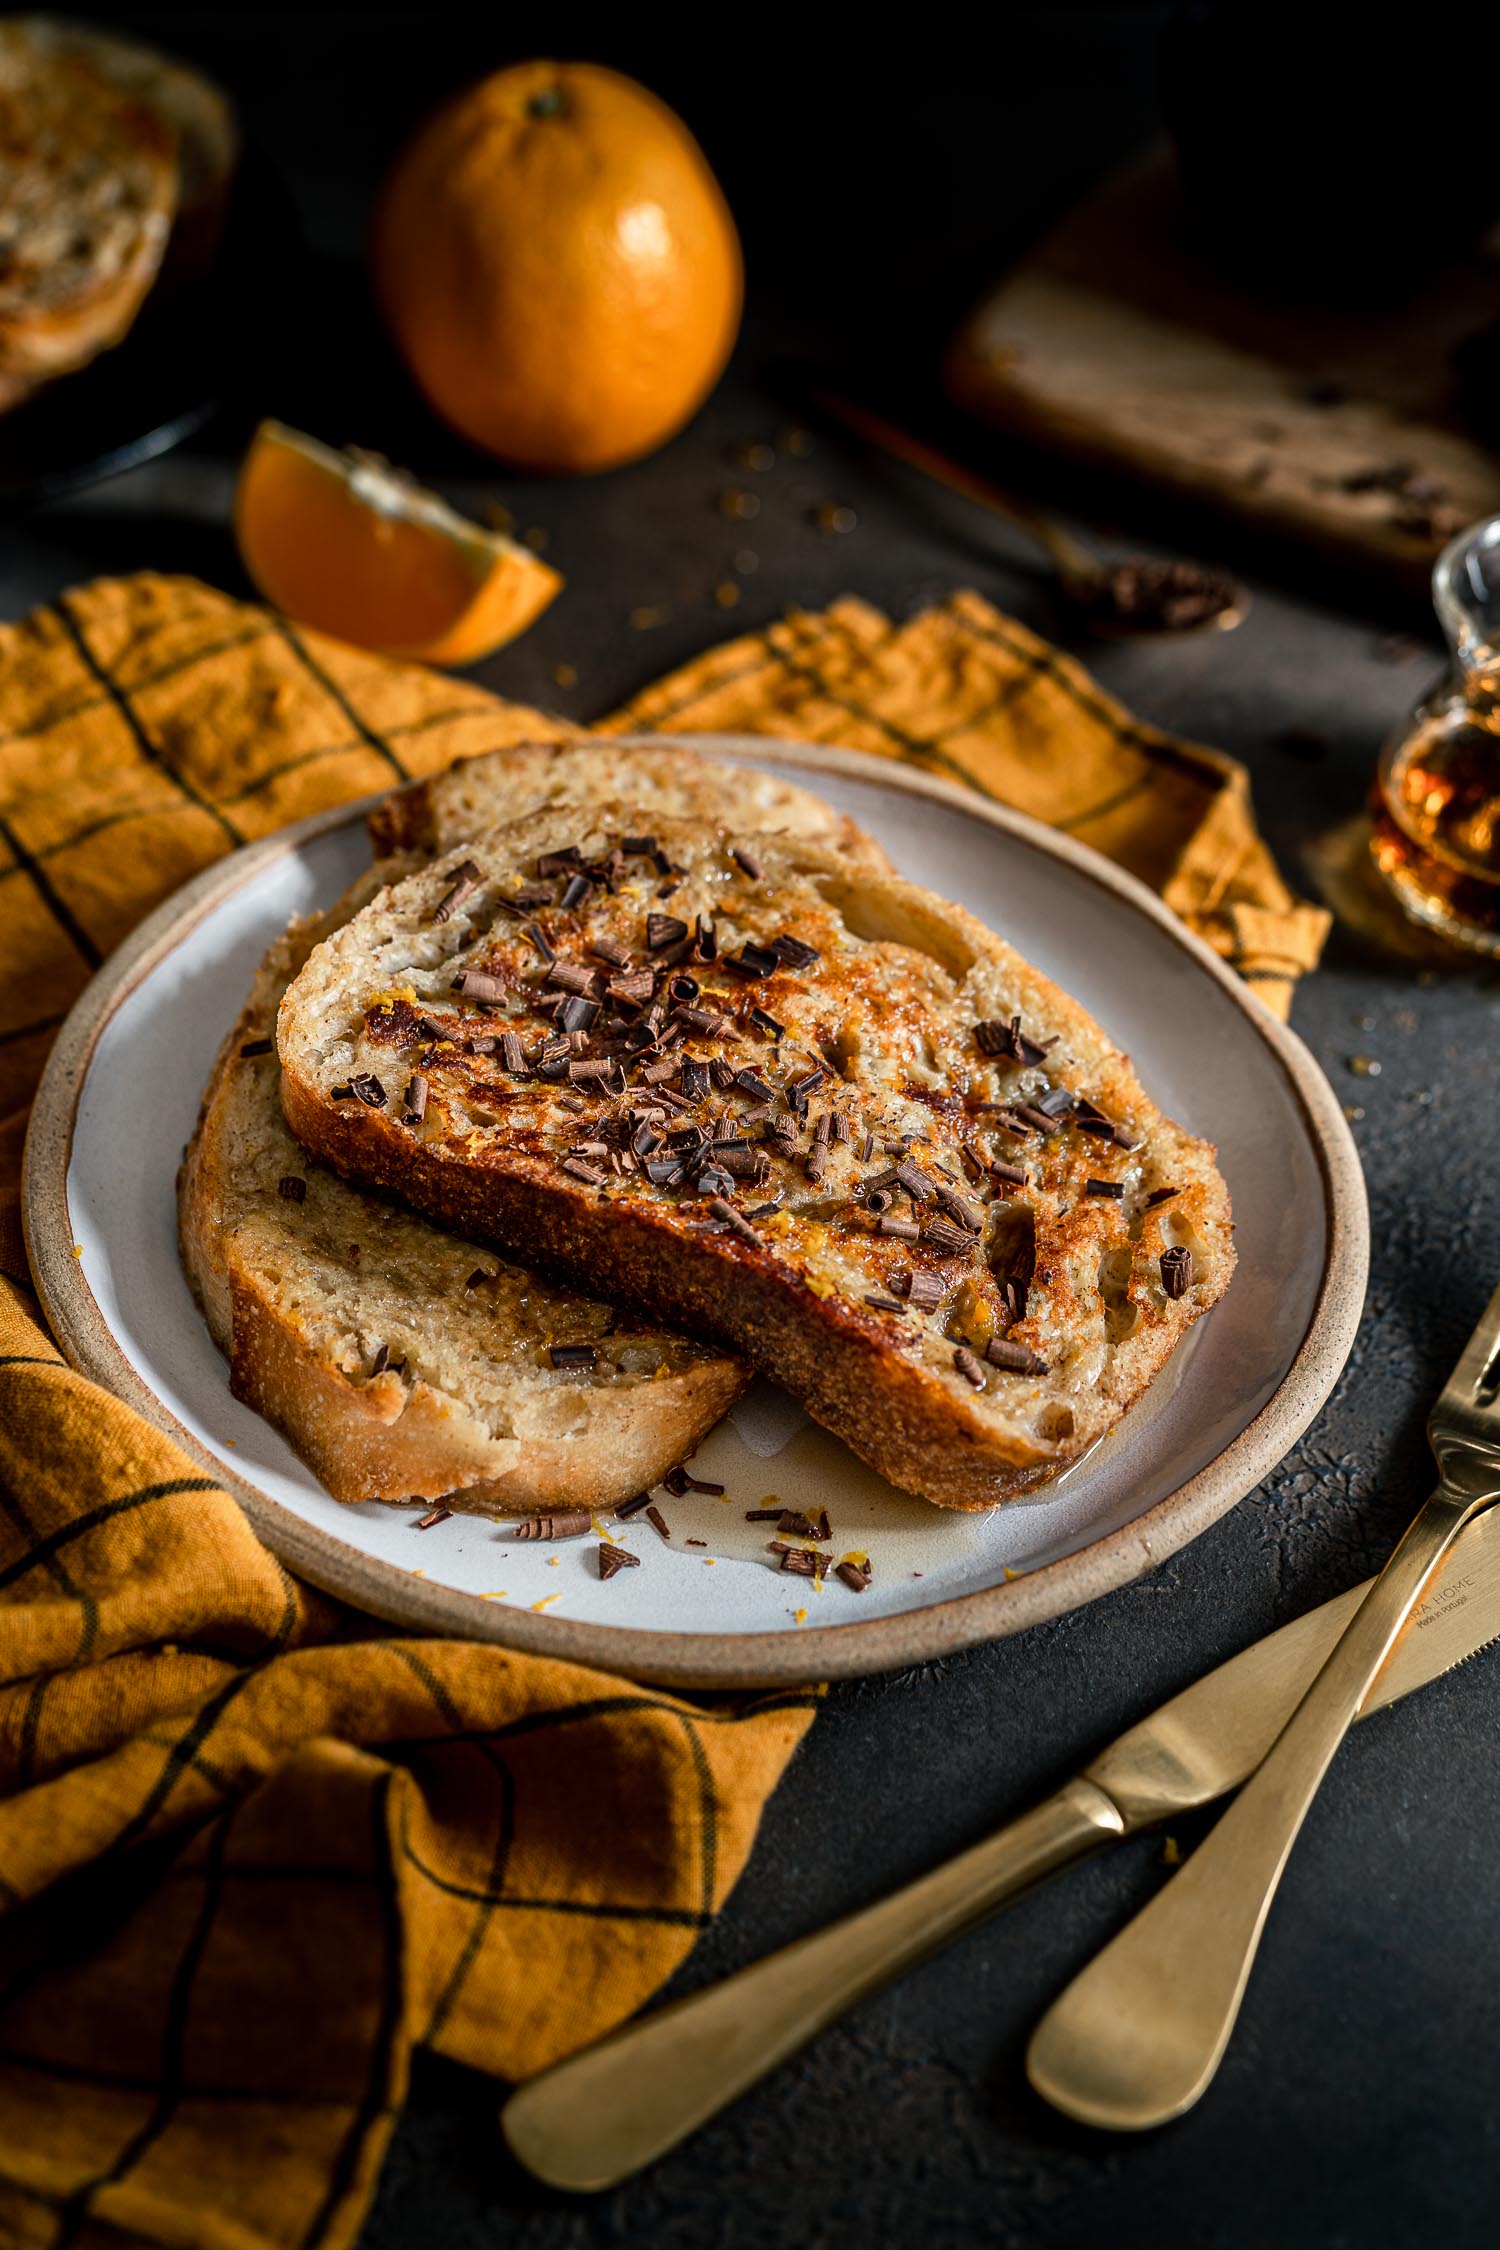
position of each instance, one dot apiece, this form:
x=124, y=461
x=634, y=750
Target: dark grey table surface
x=1358, y=2103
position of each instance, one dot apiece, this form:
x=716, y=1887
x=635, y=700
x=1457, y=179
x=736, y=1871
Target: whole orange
x=558, y=267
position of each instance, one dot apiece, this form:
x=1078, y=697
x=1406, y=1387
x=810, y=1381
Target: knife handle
x=601, y=2115
x=1137, y=2036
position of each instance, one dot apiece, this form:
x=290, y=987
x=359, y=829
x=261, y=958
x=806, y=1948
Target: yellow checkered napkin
x=252, y=1847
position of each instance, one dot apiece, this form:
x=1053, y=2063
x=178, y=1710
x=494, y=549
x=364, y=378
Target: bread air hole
x=1013, y=1245
x=879, y=917
x=1121, y=1317
x=1055, y=1423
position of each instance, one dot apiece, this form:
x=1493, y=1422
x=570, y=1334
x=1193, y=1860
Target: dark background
x=881, y=169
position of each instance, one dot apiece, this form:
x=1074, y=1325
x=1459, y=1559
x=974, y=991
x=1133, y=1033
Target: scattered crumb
x=497, y=1596
x=78, y=1249
x=800, y=1616
x=547, y=1600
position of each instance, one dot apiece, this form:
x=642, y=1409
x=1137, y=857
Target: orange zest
x=345, y=543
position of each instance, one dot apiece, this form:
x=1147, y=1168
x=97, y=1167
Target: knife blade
x=602, y=2114
x=1206, y=1740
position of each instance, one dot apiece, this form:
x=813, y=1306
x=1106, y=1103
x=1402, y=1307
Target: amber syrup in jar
x=1435, y=812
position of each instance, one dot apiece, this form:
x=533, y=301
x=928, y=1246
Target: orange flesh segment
x=327, y=556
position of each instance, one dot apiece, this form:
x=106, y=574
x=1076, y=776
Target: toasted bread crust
x=900, y=984
x=445, y=809
x=294, y=1293
x=88, y=184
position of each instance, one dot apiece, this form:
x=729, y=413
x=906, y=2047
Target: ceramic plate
x=119, y=1099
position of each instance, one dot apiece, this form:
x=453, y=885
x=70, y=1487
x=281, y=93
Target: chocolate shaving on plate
x=612, y=1559
x=568, y=1523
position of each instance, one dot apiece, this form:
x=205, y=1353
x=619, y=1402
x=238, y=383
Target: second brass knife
x=600, y=2115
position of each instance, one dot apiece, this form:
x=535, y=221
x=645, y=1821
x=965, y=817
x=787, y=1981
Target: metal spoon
x=1132, y=598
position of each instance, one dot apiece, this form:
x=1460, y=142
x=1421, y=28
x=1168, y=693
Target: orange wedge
x=345, y=543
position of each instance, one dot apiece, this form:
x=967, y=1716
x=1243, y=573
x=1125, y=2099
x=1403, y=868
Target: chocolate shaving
x=658, y=1523
x=903, y=1230
x=568, y=1523
x=612, y=1559
x=1016, y=1359
x=1114, y=1189
x=947, y=1239
x=856, y=1576
x=663, y=930
x=638, y=847
x=292, y=1189
x=572, y=1355
x=1011, y=1175
x=368, y=1089
x=1008, y=1039
x=800, y=1561
x=433, y=1516
x=541, y=941
x=759, y=1016
x=961, y=1213
x=680, y=1479
x=578, y=1014
x=575, y=891
x=884, y=1304
x=792, y=953
x=576, y=1169
x=609, y=949
x=924, y=1291
x=416, y=1099
x=748, y=861
x=1177, y=1270
x=753, y=961
x=478, y=984
x=733, y=1219
x=573, y=976
x=512, y=1053
x=969, y=1367
x=1036, y=1118
x=1161, y=1195
x=625, y=1509
x=466, y=881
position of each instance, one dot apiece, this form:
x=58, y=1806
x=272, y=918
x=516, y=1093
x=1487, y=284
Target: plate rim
x=705, y=1659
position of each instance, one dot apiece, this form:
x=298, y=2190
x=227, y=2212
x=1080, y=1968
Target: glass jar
x=1436, y=808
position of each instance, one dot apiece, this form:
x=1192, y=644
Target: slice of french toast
x=671, y=783
x=89, y=181
x=782, y=1100
x=399, y=1361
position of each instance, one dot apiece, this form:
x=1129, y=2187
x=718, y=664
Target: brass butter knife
x=603, y=2114
x=1137, y=2037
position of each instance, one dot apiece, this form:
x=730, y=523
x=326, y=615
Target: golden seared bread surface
x=786, y=1101
x=671, y=782
x=399, y=1360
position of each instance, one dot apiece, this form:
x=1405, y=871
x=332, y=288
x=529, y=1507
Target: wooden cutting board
x=1116, y=342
